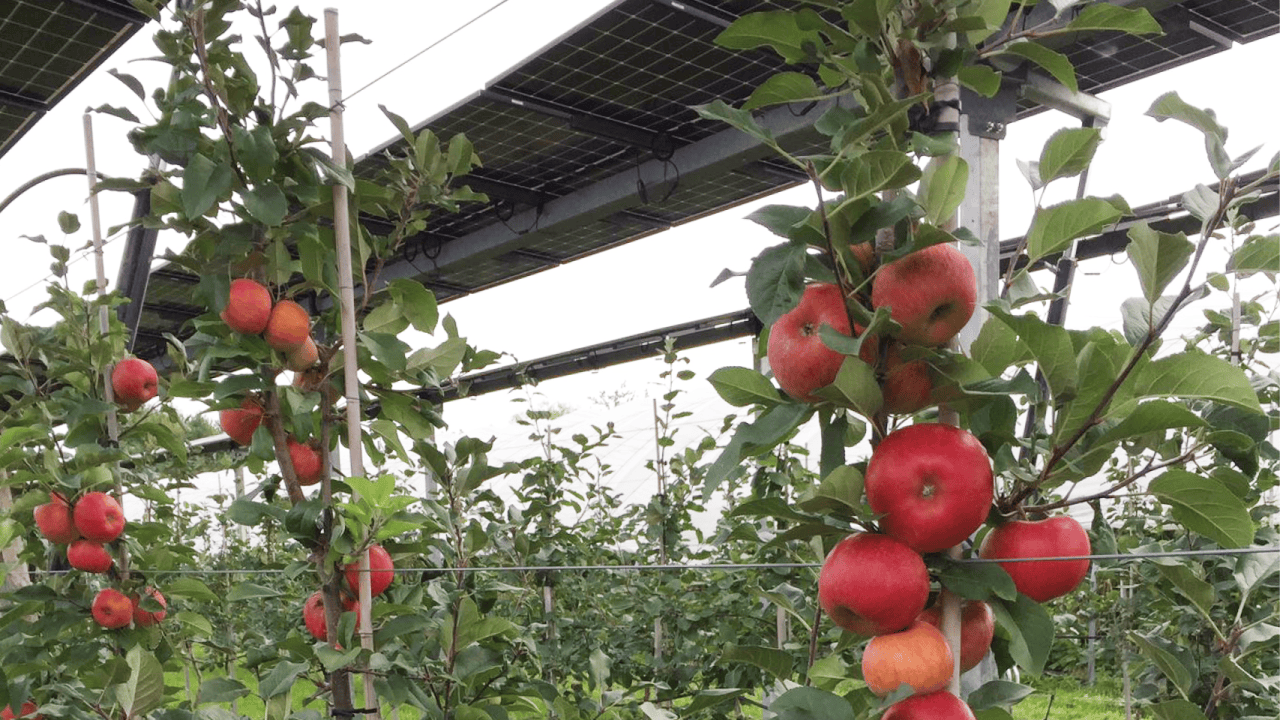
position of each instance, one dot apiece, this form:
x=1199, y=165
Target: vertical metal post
x=1093, y=626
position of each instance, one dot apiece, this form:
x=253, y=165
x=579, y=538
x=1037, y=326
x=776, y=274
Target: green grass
x=1071, y=701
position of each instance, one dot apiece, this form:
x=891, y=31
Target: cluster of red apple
x=381, y=573
x=286, y=327
x=95, y=520
x=930, y=484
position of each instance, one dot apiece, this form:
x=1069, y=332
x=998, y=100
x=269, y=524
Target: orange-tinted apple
x=940, y=705
x=147, y=618
x=54, y=521
x=98, y=517
x=288, y=328
x=302, y=357
x=918, y=657
x=134, y=381
x=240, y=424
x=111, y=609
x=977, y=628
x=307, y=463
x=381, y=571
x=931, y=293
x=799, y=360
x=89, y=556
x=871, y=584
x=248, y=307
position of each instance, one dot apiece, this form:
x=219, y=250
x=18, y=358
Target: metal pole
x=346, y=296
x=1093, y=626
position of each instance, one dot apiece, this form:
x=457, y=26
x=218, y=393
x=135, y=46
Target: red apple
x=248, y=307
x=940, y=705
x=288, y=328
x=906, y=386
x=977, y=628
x=918, y=656
x=28, y=712
x=307, y=463
x=1040, y=580
x=871, y=584
x=99, y=517
x=303, y=356
x=240, y=424
x=146, y=618
x=89, y=556
x=313, y=615
x=54, y=521
x=800, y=362
x=933, y=484
x=381, y=571
x=931, y=293
x=111, y=609
x=134, y=382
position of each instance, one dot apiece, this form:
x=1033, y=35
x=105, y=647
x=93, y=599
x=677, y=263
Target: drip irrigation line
x=724, y=566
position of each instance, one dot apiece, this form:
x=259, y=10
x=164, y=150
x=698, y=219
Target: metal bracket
x=989, y=117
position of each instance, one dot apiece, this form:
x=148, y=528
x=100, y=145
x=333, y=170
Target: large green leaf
x=416, y=302
x=980, y=79
x=740, y=119
x=994, y=693
x=741, y=386
x=1051, y=347
x=776, y=281
x=1056, y=226
x=144, y=690
x=1204, y=505
x=221, y=690
x=775, y=29
x=1151, y=416
x=280, y=679
x=1030, y=631
x=203, y=183
x=1170, y=106
x=251, y=591
x=1196, y=375
x=783, y=88
x=1055, y=63
x=997, y=347
x=1157, y=256
x=1260, y=253
x=1254, y=570
x=867, y=16
x=1177, y=710
x=780, y=219
x=942, y=187
x=1068, y=152
x=1192, y=587
x=266, y=204
x=855, y=386
x=772, y=660
x=1172, y=668
x=975, y=581
x=808, y=703
x=877, y=170
x=1105, y=16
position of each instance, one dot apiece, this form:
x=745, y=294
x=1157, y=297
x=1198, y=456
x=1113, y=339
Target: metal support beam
x=694, y=8
x=23, y=102
x=586, y=123
x=979, y=212
x=135, y=266
x=1224, y=36
x=1044, y=90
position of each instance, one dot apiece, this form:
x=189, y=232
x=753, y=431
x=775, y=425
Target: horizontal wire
x=728, y=566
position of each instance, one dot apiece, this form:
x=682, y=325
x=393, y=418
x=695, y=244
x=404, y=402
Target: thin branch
x=1151, y=467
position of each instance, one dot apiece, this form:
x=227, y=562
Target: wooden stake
x=346, y=298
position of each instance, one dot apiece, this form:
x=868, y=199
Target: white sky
x=658, y=281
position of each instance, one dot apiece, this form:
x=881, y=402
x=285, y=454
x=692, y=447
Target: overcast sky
x=658, y=281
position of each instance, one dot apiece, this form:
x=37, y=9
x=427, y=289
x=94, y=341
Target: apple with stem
x=248, y=307
x=381, y=571
x=933, y=484
x=977, y=629
x=871, y=584
x=239, y=425
x=931, y=293
x=111, y=609
x=89, y=556
x=134, y=382
x=1041, y=580
x=918, y=657
x=303, y=356
x=54, y=521
x=98, y=517
x=799, y=360
x=307, y=463
x=906, y=385
x=147, y=618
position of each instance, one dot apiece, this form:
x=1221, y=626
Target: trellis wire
x=730, y=566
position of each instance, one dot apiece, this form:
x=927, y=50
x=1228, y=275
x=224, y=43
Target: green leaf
x=1171, y=107
x=741, y=386
x=280, y=680
x=267, y=204
x=1260, y=253
x=1199, y=592
x=417, y=302
x=203, y=183
x=783, y=88
x=1177, y=710
x=1056, y=226
x=740, y=119
x=777, y=663
x=780, y=219
x=256, y=151
x=221, y=690
x=994, y=713
x=1201, y=201
x=942, y=187
x=1205, y=506
x=855, y=386
x=1157, y=256
x=191, y=588
x=776, y=29
x=144, y=690
x=997, y=347
x=1168, y=664
x=877, y=170
x=809, y=703
x=841, y=487
x=1151, y=416
x=68, y=223
x=1196, y=375
x=976, y=581
x=1050, y=346
x=775, y=281
x=385, y=318
x=1030, y=632
x=1068, y=152
x=333, y=660
x=1254, y=570
x=1105, y=16
x=867, y=15
x=1055, y=63
x=1140, y=318
x=980, y=79
x=995, y=693
x=250, y=591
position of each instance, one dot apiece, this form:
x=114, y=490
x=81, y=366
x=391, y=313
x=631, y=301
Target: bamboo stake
x=346, y=296
x=104, y=320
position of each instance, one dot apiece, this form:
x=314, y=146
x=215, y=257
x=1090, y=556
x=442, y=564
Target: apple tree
x=859, y=301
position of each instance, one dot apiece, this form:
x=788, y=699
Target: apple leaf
x=1151, y=416
x=203, y=183
x=416, y=302
x=877, y=170
x=1204, y=505
x=840, y=490
x=1170, y=106
x=995, y=693
x=1105, y=16
x=780, y=219
x=1157, y=256
x=1050, y=346
x=1030, y=631
x=250, y=591
x=1056, y=226
x=776, y=29
x=980, y=79
x=144, y=690
x=1166, y=661
x=942, y=187
x=867, y=16
x=1253, y=570
x=1068, y=152
x=777, y=663
x=1055, y=63
x=1260, y=253
x=280, y=679
x=1192, y=587
x=838, y=341
x=781, y=88
x=1196, y=375
x=855, y=386
x=775, y=281
x=975, y=580
x=810, y=703
x=192, y=588
x=740, y=119
x=1140, y=317
x=1177, y=710
x=997, y=347
x=741, y=386
x=221, y=690
x=993, y=713
x=710, y=697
